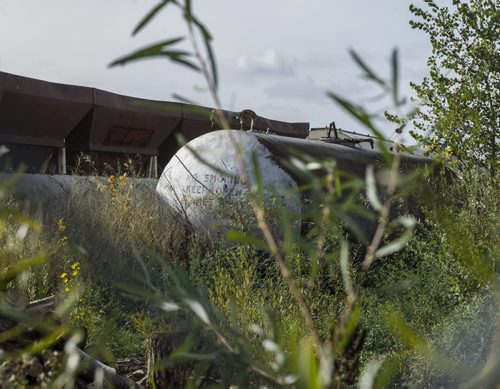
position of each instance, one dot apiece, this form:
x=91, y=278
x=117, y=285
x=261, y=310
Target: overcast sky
x=277, y=57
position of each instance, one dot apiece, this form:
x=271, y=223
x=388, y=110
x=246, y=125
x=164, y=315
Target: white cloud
x=271, y=62
x=299, y=89
x=279, y=62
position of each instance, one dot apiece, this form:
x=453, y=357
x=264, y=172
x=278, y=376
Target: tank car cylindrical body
x=208, y=168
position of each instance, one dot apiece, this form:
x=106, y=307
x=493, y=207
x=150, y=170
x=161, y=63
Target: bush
x=442, y=284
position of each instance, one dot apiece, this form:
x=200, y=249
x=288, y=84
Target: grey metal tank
x=206, y=171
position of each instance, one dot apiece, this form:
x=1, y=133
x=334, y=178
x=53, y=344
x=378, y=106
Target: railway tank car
x=208, y=168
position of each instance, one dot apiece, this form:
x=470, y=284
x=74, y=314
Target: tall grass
x=114, y=229
x=105, y=224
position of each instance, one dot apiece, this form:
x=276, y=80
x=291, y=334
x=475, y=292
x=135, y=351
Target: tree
x=459, y=100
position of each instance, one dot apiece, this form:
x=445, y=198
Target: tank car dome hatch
x=202, y=181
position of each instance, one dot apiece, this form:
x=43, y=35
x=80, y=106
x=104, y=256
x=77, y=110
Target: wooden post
x=160, y=346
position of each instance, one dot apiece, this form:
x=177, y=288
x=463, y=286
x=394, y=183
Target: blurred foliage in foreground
x=417, y=307
x=426, y=315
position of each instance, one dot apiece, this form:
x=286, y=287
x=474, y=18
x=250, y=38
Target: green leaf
x=212, y=166
x=307, y=367
x=48, y=341
x=158, y=50
x=20, y=217
x=369, y=373
x=395, y=78
x=258, y=185
x=3, y=150
x=197, y=374
x=198, y=310
x=173, y=108
x=290, y=239
x=370, y=74
x=385, y=375
x=349, y=331
x=11, y=272
x=183, y=99
x=188, y=357
x=185, y=62
x=409, y=223
x=241, y=237
x=155, y=48
x=207, y=39
x=169, y=306
x=352, y=224
x=355, y=110
x=181, y=140
x=299, y=167
x=371, y=188
x=141, y=293
x=8, y=182
x=7, y=311
x=360, y=114
x=150, y=15
x=187, y=10
x=345, y=268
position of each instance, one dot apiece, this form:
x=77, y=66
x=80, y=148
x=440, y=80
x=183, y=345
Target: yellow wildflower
x=75, y=265
x=64, y=238
x=123, y=180
x=61, y=225
x=64, y=275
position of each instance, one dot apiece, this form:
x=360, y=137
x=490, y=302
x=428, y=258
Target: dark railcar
x=36, y=117
x=47, y=126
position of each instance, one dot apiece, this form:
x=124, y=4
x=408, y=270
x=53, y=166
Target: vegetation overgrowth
x=433, y=284
x=415, y=306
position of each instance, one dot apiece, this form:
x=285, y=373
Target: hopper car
x=46, y=125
